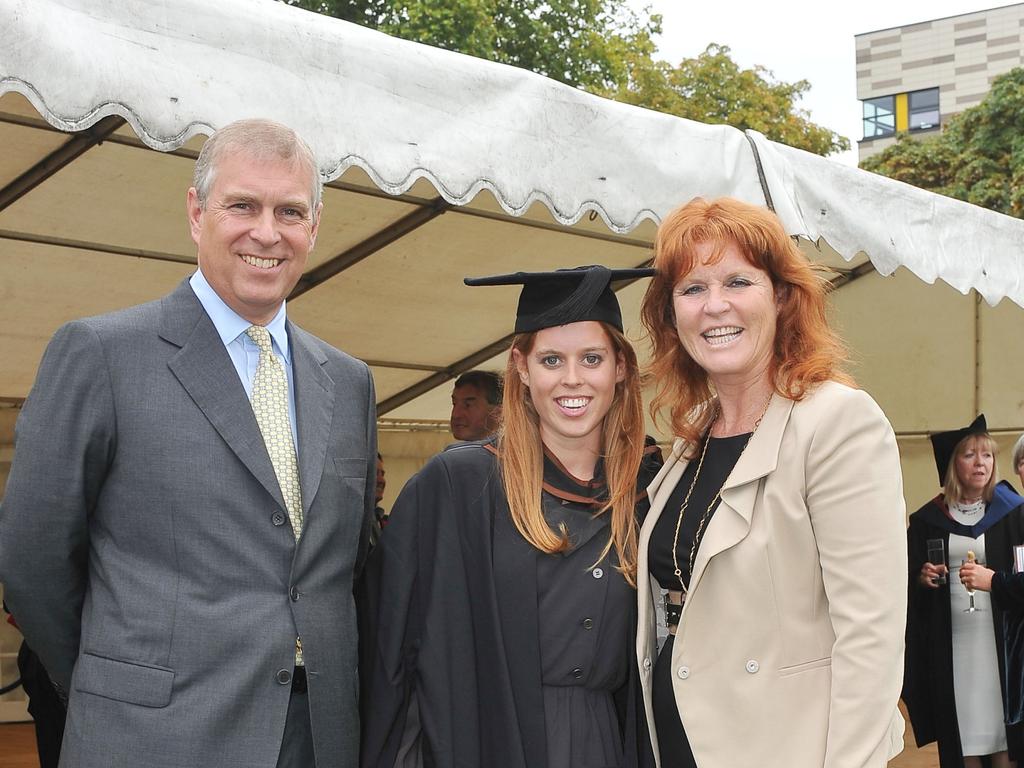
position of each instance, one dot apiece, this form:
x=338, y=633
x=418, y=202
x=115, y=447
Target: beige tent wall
x=934, y=358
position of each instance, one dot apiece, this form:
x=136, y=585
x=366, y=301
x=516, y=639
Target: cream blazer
x=789, y=652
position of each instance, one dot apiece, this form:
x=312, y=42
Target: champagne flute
x=937, y=556
x=971, y=558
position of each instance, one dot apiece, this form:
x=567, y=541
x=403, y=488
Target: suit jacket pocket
x=140, y=684
x=796, y=669
x=355, y=467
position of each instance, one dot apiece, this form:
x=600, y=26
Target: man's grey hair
x=1018, y=453
x=257, y=138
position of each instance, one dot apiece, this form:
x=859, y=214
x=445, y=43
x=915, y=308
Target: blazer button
x=588, y=623
x=683, y=672
x=284, y=677
x=577, y=673
x=597, y=573
x=753, y=666
x=277, y=518
x=293, y=593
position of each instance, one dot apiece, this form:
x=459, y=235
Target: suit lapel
x=314, y=407
x=204, y=368
x=731, y=522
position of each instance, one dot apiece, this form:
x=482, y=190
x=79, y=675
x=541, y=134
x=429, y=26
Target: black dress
x=722, y=455
x=477, y=649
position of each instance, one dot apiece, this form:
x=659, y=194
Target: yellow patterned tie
x=270, y=404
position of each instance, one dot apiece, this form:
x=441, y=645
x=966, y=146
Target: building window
x=880, y=117
x=924, y=109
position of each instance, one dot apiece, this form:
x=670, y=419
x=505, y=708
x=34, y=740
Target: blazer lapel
x=731, y=522
x=204, y=368
x=314, y=408
x=515, y=581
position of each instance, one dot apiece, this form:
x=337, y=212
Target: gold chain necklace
x=698, y=535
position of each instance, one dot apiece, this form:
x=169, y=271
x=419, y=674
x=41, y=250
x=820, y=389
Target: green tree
x=712, y=88
x=979, y=156
x=603, y=47
x=579, y=42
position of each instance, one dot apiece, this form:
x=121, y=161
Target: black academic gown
x=451, y=661
x=928, y=673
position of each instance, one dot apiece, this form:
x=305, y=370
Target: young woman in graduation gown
x=957, y=686
x=500, y=606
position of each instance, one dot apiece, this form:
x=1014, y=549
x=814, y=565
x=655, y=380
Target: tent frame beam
x=65, y=154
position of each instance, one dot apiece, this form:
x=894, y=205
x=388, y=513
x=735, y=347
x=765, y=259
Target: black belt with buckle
x=299, y=680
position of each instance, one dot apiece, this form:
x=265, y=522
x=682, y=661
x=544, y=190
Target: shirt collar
x=229, y=324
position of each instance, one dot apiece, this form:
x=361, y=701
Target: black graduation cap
x=944, y=443
x=565, y=296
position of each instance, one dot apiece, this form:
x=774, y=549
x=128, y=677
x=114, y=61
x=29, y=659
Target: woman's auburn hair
x=953, y=489
x=521, y=457
x=806, y=350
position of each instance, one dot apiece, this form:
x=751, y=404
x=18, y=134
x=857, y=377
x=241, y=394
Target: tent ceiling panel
x=111, y=195
x=349, y=219
x=389, y=381
x=421, y=278
x=33, y=145
x=16, y=104
x=74, y=284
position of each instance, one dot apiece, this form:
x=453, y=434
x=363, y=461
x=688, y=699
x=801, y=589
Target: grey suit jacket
x=147, y=556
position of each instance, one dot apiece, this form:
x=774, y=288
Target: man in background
x=476, y=405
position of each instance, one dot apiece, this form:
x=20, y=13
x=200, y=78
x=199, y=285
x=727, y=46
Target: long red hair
x=806, y=351
x=521, y=457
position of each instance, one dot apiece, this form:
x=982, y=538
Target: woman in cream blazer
x=787, y=575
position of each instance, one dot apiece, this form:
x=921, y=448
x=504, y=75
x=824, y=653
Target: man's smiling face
x=255, y=231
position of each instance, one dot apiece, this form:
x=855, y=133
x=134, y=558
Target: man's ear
x=195, y=214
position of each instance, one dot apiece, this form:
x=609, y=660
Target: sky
x=797, y=40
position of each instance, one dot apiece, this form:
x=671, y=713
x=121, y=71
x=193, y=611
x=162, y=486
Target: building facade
x=914, y=78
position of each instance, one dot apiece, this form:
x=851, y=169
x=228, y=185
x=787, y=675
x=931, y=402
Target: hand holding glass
x=937, y=556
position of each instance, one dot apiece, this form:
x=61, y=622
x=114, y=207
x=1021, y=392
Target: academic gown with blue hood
x=928, y=675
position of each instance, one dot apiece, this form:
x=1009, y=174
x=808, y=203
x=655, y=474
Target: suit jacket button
x=588, y=623
x=293, y=593
x=597, y=573
x=277, y=518
x=753, y=666
x=284, y=676
x=683, y=672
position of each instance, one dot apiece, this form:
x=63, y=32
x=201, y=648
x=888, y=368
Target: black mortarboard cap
x=565, y=296
x=944, y=443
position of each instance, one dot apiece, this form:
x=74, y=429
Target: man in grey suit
x=184, y=573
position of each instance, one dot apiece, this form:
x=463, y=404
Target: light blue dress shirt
x=243, y=351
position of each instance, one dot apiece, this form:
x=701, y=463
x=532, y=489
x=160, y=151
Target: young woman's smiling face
x=726, y=315
x=571, y=371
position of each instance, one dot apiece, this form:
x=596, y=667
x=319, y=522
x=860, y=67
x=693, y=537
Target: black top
x=722, y=455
